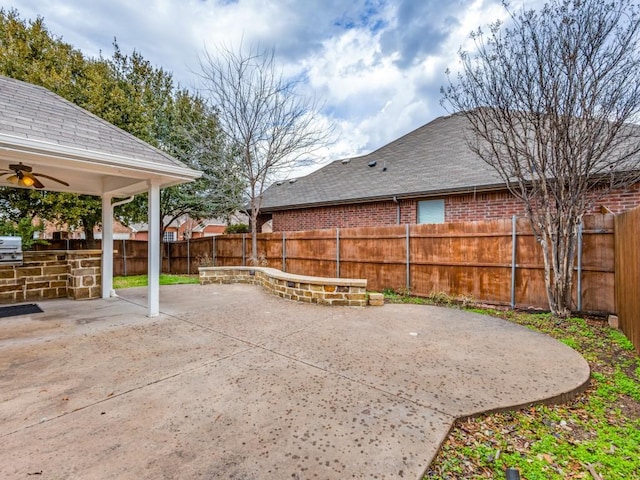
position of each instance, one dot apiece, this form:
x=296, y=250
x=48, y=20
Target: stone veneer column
x=84, y=274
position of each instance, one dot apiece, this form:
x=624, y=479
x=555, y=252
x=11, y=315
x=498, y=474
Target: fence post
x=579, y=293
x=124, y=256
x=169, y=256
x=284, y=251
x=408, y=235
x=244, y=239
x=213, y=251
x=188, y=256
x=513, y=260
x=337, y=252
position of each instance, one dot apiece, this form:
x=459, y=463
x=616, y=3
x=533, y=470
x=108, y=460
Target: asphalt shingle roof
x=433, y=159
x=31, y=112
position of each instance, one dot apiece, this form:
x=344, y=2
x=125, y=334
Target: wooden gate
x=627, y=238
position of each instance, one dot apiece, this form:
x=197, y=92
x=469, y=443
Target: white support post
x=107, y=247
x=153, y=288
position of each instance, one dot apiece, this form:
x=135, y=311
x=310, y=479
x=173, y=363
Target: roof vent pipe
x=372, y=163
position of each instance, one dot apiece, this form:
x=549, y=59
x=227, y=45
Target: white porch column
x=107, y=247
x=154, y=250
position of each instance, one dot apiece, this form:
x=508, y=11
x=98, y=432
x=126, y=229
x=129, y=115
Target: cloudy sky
x=376, y=65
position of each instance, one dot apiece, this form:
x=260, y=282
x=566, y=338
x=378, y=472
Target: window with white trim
x=431, y=211
x=169, y=237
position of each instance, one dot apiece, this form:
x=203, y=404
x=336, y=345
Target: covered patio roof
x=58, y=139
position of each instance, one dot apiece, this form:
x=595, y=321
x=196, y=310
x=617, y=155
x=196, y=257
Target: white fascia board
x=90, y=157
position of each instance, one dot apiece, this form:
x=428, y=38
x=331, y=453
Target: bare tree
x=272, y=127
x=551, y=103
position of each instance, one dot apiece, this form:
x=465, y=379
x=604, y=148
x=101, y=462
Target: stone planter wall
x=52, y=274
x=324, y=291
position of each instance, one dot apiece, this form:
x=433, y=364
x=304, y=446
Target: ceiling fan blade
x=51, y=178
x=37, y=183
x=20, y=166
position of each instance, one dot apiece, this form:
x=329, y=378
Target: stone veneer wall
x=52, y=274
x=323, y=291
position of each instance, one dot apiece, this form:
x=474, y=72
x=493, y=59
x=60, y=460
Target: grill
x=10, y=251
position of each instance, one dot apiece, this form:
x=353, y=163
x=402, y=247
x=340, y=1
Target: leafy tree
x=23, y=228
x=271, y=126
x=549, y=102
x=193, y=136
x=75, y=211
x=29, y=52
x=129, y=92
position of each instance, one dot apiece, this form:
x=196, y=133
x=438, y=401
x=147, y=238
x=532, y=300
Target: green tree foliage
x=23, y=228
x=194, y=138
x=29, y=52
x=129, y=92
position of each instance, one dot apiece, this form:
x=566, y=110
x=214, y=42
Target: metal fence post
x=213, y=251
x=124, y=256
x=284, y=252
x=244, y=240
x=579, y=293
x=513, y=260
x=408, y=245
x=168, y=256
x=337, y=253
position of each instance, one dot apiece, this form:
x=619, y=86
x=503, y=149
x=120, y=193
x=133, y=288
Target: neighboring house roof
x=202, y=226
x=63, y=140
x=178, y=222
x=432, y=160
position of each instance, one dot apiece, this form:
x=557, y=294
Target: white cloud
x=376, y=64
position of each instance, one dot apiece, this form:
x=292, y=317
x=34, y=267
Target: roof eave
x=90, y=157
x=390, y=197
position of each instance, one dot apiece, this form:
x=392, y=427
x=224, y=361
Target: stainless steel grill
x=10, y=251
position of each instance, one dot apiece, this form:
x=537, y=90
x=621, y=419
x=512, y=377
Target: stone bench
x=324, y=291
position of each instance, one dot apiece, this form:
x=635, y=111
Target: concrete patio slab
x=232, y=383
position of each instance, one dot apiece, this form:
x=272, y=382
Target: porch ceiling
x=87, y=172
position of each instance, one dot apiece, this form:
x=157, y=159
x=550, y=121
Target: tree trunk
x=88, y=226
x=254, y=237
x=558, y=248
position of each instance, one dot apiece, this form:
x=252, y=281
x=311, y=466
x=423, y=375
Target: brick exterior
x=457, y=208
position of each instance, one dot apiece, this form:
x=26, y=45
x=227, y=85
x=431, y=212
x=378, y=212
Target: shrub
x=237, y=228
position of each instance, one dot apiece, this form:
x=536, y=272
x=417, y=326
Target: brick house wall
x=457, y=208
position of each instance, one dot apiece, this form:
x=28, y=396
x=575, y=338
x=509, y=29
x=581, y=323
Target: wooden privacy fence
x=496, y=261
x=627, y=269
